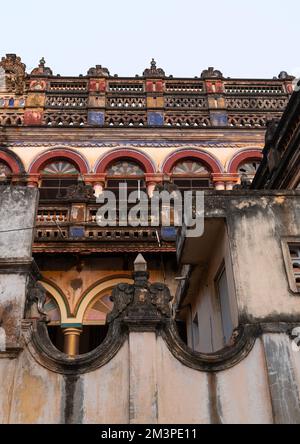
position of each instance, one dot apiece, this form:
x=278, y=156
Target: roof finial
x=140, y=264
x=42, y=62
x=153, y=71
x=42, y=69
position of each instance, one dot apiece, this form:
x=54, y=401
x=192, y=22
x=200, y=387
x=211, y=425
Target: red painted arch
x=139, y=157
x=11, y=162
x=205, y=158
x=44, y=158
x=242, y=157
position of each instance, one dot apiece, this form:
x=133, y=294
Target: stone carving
x=122, y=296
x=141, y=305
x=154, y=71
x=14, y=73
x=35, y=301
x=98, y=71
x=42, y=70
x=211, y=73
x=283, y=75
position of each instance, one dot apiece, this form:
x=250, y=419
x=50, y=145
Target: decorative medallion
x=189, y=168
x=60, y=168
x=125, y=168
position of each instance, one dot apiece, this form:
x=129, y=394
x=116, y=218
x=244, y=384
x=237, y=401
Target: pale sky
x=242, y=38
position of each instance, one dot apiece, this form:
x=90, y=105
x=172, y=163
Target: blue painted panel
x=155, y=119
x=77, y=232
x=169, y=234
x=96, y=118
x=219, y=119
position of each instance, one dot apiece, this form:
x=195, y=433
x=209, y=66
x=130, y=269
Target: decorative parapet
x=101, y=100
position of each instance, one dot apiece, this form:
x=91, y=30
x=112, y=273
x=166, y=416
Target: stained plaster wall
x=145, y=383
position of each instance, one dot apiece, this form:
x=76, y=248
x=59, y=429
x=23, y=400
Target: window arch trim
x=241, y=157
x=51, y=156
x=207, y=159
x=103, y=163
x=13, y=163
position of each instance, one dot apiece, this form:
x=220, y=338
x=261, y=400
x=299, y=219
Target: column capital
x=94, y=179
x=33, y=180
x=154, y=178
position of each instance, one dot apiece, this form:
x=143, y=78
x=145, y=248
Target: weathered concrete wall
x=106, y=392
x=258, y=227
x=145, y=383
x=37, y=394
x=17, y=218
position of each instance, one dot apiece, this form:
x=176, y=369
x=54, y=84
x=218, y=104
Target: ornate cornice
x=95, y=144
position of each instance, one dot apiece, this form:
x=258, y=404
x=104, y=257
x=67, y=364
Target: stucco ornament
x=211, y=73
x=153, y=71
x=98, y=71
x=141, y=305
x=35, y=301
x=14, y=73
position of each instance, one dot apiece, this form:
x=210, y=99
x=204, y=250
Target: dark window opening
x=192, y=184
x=182, y=330
x=56, y=188
x=91, y=337
x=115, y=185
x=56, y=337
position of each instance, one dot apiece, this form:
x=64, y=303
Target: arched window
x=57, y=176
x=191, y=174
x=94, y=327
x=125, y=172
x=248, y=168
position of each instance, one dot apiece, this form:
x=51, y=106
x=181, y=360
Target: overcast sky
x=249, y=38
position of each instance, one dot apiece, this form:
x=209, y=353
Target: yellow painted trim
x=61, y=304
x=96, y=292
